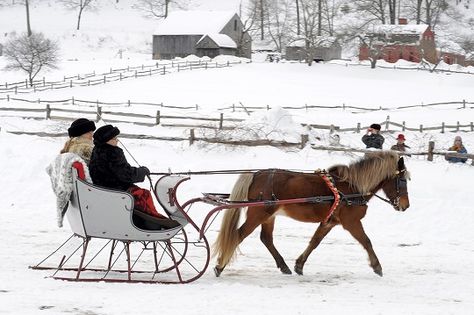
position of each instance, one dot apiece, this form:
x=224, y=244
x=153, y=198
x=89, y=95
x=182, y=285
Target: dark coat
x=109, y=168
x=399, y=147
x=373, y=140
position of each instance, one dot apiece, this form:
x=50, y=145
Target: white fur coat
x=60, y=172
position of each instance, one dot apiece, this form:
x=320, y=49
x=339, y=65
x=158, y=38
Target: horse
x=351, y=187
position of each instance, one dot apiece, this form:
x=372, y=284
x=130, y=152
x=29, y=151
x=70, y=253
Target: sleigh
x=107, y=246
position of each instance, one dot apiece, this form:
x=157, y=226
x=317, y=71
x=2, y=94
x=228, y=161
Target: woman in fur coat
x=80, y=139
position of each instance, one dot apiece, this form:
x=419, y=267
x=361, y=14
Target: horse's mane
x=365, y=174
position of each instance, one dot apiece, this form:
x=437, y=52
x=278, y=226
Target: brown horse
x=354, y=184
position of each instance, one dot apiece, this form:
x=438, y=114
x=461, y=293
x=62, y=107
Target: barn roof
x=194, y=22
x=221, y=40
x=404, y=29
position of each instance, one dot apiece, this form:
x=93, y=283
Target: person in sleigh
x=109, y=168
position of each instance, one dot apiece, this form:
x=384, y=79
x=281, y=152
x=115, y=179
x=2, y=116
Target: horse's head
x=395, y=188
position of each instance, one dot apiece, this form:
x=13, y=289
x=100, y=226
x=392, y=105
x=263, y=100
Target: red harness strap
x=337, y=197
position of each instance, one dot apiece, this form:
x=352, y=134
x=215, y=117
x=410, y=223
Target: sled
x=107, y=246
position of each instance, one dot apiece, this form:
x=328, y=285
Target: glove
x=144, y=170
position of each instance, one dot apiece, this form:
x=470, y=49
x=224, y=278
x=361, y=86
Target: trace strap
x=337, y=198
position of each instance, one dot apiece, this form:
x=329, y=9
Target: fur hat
x=458, y=138
x=105, y=133
x=401, y=137
x=376, y=126
x=80, y=126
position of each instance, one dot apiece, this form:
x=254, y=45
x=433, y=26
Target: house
x=324, y=48
x=452, y=58
x=411, y=42
x=201, y=33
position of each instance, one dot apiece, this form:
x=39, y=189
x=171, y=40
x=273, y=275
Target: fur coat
x=81, y=146
x=60, y=173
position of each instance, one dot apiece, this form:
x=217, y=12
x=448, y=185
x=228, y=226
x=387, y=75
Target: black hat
x=375, y=126
x=80, y=126
x=105, y=133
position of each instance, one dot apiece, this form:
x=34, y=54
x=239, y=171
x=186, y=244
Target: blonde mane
x=365, y=174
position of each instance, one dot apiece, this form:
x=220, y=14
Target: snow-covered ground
x=426, y=252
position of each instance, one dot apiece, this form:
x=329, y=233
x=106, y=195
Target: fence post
x=105, y=79
x=205, y=66
x=44, y=82
x=178, y=67
x=233, y=110
x=26, y=83
x=99, y=112
x=221, y=121
x=457, y=126
x=268, y=107
x=463, y=103
x=164, y=69
x=442, y=127
x=304, y=140
x=129, y=103
x=16, y=89
x=387, y=122
x=191, y=137
x=158, y=117
x=343, y=106
x=403, y=126
x=472, y=126
x=358, y=127
x=70, y=83
x=421, y=128
x=72, y=99
x=135, y=74
x=120, y=76
x=431, y=145
x=48, y=112
x=8, y=100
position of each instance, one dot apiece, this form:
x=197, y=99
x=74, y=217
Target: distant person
x=373, y=138
x=80, y=139
x=109, y=168
x=400, y=146
x=459, y=148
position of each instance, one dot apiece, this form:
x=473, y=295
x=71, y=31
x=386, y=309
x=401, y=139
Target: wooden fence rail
x=158, y=118
x=24, y=87
x=262, y=142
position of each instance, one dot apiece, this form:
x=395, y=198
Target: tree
x=159, y=8
x=31, y=54
x=376, y=8
x=80, y=6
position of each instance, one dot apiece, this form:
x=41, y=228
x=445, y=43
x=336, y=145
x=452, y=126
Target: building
x=452, y=58
x=411, y=42
x=325, y=48
x=201, y=33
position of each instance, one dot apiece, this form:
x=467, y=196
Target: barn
x=411, y=42
x=201, y=33
x=324, y=48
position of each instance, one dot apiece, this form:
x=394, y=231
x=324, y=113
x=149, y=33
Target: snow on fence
x=90, y=79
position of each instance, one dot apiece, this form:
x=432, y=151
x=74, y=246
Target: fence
x=91, y=79
x=220, y=122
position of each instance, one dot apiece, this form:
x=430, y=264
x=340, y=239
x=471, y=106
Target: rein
x=223, y=172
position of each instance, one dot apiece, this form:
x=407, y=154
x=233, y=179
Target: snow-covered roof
x=194, y=22
x=404, y=29
x=221, y=40
x=319, y=41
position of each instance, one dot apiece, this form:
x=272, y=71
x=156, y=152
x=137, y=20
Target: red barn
x=410, y=42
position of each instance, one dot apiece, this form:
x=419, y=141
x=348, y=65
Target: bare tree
x=280, y=25
x=376, y=8
x=31, y=54
x=159, y=8
x=80, y=5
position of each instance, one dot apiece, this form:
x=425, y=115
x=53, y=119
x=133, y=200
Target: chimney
x=402, y=21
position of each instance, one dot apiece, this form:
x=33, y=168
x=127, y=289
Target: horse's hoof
x=299, y=270
x=378, y=270
x=217, y=271
x=285, y=270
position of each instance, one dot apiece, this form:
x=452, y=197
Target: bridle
x=401, y=187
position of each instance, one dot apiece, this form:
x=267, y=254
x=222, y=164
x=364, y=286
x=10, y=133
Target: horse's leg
x=357, y=231
x=266, y=236
x=254, y=219
x=322, y=230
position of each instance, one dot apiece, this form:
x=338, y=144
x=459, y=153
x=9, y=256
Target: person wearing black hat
x=80, y=138
x=373, y=138
x=109, y=168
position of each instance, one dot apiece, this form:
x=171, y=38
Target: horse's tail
x=228, y=239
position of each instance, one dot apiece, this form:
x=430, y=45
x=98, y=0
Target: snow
x=400, y=29
x=194, y=22
x=426, y=252
x=221, y=40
